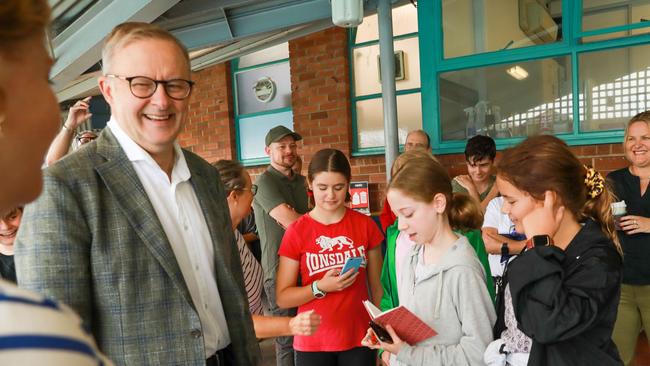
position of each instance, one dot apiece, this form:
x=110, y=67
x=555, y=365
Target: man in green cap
x=280, y=200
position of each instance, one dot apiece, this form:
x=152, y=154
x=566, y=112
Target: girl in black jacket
x=562, y=294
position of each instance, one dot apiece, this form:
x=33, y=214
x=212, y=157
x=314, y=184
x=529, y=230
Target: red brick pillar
x=320, y=83
x=210, y=128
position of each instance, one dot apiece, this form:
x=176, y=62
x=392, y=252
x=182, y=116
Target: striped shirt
x=253, y=275
x=38, y=331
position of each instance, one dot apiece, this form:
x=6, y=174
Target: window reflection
x=498, y=102
x=478, y=26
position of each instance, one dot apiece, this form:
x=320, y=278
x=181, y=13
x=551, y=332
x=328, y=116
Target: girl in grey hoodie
x=442, y=281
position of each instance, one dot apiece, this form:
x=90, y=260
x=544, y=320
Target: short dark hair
x=479, y=147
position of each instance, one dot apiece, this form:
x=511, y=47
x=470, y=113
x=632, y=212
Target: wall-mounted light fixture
x=517, y=72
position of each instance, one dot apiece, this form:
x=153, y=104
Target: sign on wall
x=359, y=197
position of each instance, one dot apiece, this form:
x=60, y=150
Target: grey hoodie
x=451, y=297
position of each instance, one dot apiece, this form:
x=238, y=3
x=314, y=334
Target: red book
x=407, y=325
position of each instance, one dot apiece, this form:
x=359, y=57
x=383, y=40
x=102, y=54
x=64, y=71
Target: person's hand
x=466, y=182
x=492, y=242
x=385, y=358
x=372, y=341
x=633, y=224
x=545, y=218
x=305, y=323
x=78, y=114
x=335, y=281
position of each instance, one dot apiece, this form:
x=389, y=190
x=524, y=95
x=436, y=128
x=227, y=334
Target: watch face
x=264, y=89
x=541, y=240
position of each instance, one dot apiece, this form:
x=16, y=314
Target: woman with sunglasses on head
x=77, y=115
x=630, y=184
x=562, y=291
x=34, y=330
x=314, y=249
x=240, y=191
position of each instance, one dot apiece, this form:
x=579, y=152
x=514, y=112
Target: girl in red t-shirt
x=315, y=248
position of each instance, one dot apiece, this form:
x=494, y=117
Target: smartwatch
x=539, y=240
x=315, y=291
x=504, y=249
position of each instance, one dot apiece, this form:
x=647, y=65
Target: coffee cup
x=619, y=209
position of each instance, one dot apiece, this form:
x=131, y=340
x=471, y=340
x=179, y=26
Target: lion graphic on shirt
x=329, y=244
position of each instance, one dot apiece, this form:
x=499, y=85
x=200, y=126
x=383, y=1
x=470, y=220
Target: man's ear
x=439, y=203
x=267, y=150
x=106, y=88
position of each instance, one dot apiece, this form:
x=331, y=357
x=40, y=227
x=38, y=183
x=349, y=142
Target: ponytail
x=599, y=208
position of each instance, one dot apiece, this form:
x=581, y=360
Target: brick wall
x=210, y=130
x=322, y=115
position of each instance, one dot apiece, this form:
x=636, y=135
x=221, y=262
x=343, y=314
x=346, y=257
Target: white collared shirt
x=180, y=214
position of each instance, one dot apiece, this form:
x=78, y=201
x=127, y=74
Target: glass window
x=477, y=26
x=279, y=85
x=370, y=119
x=598, y=14
x=510, y=100
x=253, y=130
x=273, y=53
x=366, y=67
x=405, y=21
x=614, y=87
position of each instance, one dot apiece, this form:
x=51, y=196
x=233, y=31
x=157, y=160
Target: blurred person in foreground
x=132, y=230
x=33, y=330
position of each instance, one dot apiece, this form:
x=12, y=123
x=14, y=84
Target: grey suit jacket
x=93, y=241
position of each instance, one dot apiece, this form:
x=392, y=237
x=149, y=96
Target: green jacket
x=390, y=299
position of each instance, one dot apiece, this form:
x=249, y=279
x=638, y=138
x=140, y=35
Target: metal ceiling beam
x=81, y=50
x=256, y=43
x=244, y=24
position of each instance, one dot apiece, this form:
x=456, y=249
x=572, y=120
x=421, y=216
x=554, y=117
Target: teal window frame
x=433, y=63
x=431, y=54
x=367, y=151
x=234, y=70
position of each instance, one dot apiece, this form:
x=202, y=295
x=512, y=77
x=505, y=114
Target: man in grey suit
x=133, y=232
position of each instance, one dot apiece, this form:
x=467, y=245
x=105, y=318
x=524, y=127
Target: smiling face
x=479, y=170
x=154, y=122
x=637, y=144
x=516, y=203
x=31, y=119
x=330, y=190
x=419, y=220
x=9, y=224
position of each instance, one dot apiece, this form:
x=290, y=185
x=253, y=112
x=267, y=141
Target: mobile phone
x=380, y=332
x=352, y=263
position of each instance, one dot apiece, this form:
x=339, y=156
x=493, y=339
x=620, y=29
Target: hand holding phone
x=381, y=333
x=352, y=263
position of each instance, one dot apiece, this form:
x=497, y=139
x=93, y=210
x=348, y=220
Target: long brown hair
x=422, y=177
x=545, y=163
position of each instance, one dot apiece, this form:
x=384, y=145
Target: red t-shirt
x=319, y=248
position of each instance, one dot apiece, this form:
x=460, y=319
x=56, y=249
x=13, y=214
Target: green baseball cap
x=278, y=133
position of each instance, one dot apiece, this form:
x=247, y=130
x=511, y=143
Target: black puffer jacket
x=566, y=301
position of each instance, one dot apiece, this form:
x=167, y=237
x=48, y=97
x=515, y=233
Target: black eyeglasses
x=144, y=87
x=253, y=189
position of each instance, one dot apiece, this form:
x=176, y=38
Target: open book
x=407, y=325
